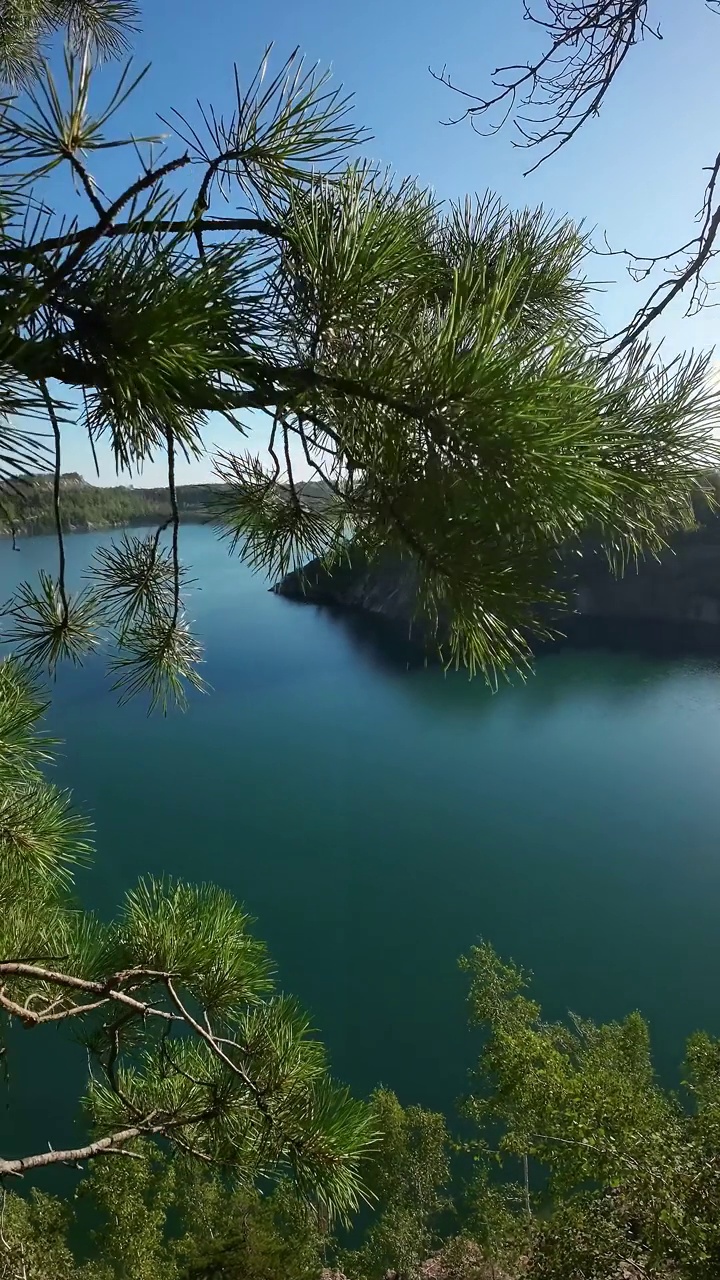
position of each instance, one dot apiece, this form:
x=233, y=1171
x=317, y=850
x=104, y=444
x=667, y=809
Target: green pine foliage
x=26, y=26
x=439, y=369
x=174, y=1003
x=582, y=1167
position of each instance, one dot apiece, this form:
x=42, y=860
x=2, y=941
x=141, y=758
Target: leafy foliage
x=624, y=1174
x=410, y=1177
x=155, y=1219
x=437, y=368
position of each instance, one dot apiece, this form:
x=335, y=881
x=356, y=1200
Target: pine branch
x=79, y=169
x=106, y=990
x=32, y=1019
x=102, y=1146
x=162, y=226
x=90, y=235
x=272, y=382
x=214, y=1044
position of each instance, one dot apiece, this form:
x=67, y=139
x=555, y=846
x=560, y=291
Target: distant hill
x=26, y=506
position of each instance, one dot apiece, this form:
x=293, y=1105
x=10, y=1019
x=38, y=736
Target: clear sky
x=636, y=172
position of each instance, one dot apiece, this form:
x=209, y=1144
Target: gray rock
x=675, y=597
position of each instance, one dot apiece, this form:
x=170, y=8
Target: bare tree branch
x=554, y=96
x=549, y=101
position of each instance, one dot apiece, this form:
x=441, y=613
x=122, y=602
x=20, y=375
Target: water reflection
x=611, y=661
x=382, y=643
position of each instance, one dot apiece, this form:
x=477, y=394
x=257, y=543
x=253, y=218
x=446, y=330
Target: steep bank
x=670, y=602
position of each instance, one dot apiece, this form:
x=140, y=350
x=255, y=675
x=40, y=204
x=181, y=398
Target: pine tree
x=174, y=1003
x=439, y=368
x=27, y=28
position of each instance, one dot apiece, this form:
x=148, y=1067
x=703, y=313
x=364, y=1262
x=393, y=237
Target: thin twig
x=82, y=173
x=56, y=499
x=211, y=1040
x=288, y=463
x=567, y=85
x=175, y=525
x=105, y=989
x=31, y=1018
x=92, y=234
x=589, y=1146
x=668, y=290
x=10, y=524
x=271, y=449
x=553, y=97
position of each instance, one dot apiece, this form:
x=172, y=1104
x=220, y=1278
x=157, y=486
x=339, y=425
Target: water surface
x=378, y=820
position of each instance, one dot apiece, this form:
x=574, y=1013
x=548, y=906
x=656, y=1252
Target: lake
x=378, y=819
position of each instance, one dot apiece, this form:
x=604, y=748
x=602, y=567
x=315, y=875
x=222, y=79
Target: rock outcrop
x=672, y=601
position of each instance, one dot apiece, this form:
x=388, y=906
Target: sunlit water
x=379, y=819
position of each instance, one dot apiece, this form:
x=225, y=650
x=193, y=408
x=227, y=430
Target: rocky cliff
x=673, y=601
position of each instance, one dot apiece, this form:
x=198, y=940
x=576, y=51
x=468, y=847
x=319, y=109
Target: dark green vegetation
x=26, y=505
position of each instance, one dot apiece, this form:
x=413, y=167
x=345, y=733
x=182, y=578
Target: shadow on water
x=611, y=660
x=383, y=644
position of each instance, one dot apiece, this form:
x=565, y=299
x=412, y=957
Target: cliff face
x=387, y=588
x=677, y=596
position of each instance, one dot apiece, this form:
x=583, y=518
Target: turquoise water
x=378, y=820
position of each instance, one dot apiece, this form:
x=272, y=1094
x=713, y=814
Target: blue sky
x=636, y=172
